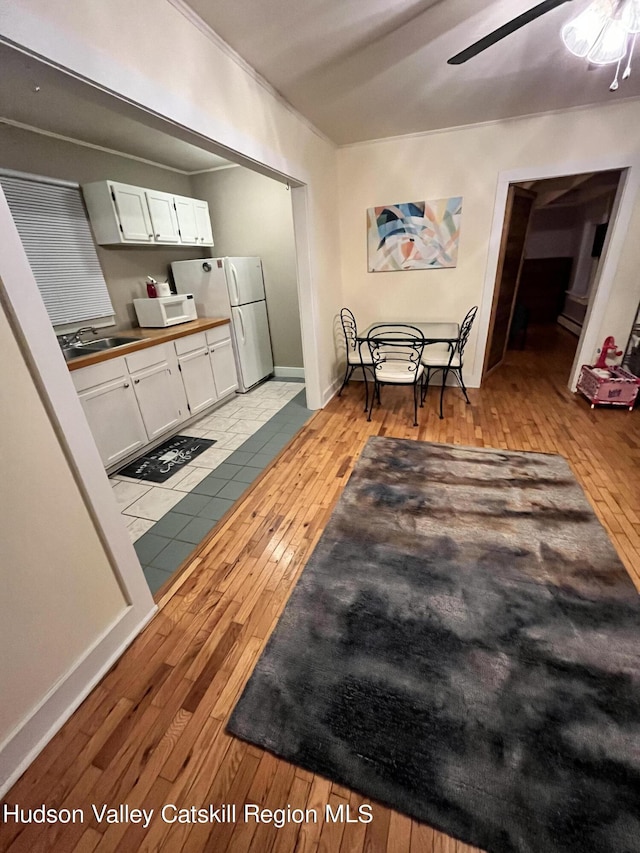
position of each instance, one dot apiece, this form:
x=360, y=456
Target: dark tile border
x=170, y=541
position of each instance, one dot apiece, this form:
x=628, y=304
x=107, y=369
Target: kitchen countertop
x=146, y=338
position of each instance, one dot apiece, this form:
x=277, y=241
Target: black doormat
x=463, y=645
x=163, y=461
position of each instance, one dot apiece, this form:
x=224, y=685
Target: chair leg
x=366, y=388
x=426, y=376
x=347, y=377
x=461, y=381
x=415, y=404
x=373, y=396
x=445, y=373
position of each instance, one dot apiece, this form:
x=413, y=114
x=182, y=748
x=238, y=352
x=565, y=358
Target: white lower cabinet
x=208, y=367
x=158, y=389
x=222, y=361
x=197, y=374
x=133, y=400
x=109, y=403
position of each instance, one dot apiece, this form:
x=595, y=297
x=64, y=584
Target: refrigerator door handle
x=244, y=337
x=234, y=277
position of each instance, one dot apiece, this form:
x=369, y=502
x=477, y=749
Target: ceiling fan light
x=581, y=33
x=630, y=16
x=611, y=44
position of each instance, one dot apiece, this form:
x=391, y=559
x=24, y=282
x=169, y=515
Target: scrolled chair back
x=396, y=347
x=465, y=329
x=349, y=328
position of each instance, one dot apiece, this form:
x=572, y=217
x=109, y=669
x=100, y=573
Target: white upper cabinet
x=185, y=210
x=194, y=221
x=121, y=213
x=203, y=222
x=131, y=207
x=163, y=217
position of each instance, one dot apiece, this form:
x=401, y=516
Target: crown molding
x=195, y=19
x=489, y=123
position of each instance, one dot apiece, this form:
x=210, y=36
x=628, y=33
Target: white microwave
x=165, y=310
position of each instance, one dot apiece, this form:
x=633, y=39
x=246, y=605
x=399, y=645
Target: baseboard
x=28, y=741
x=569, y=324
x=289, y=372
x=331, y=391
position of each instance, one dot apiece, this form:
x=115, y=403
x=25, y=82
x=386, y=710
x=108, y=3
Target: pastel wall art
x=414, y=235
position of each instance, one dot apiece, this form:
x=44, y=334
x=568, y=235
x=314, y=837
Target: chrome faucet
x=74, y=337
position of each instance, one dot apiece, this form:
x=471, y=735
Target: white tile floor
x=142, y=504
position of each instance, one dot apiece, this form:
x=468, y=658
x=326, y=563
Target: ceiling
x=367, y=69
x=39, y=96
x=574, y=190
x=357, y=69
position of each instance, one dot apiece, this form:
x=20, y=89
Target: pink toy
x=609, y=349
x=614, y=386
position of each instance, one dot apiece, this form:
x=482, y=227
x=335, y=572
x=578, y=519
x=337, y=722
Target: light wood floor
x=153, y=731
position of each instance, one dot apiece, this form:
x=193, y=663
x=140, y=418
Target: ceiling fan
x=505, y=30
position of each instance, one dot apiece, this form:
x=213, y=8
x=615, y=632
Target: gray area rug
x=463, y=646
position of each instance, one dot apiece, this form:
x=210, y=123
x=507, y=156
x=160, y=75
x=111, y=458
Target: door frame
x=506, y=228
x=616, y=235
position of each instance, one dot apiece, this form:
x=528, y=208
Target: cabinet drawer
x=190, y=343
x=144, y=358
x=97, y=374
x=218, y=333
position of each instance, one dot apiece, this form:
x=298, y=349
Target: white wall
x=591, y=215
x=554, y=233
x=469, y=162
x=251, y=215
x=59, y=592
x=73, y=593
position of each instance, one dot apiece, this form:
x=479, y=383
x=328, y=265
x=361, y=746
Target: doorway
x=552, y=246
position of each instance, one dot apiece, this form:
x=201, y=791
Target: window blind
x=54, y=230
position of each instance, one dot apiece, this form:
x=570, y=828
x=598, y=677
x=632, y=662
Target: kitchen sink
x=99, y=345
x=73, y=352
x=106, y=343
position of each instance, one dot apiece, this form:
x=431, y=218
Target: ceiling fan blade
x=506, y=30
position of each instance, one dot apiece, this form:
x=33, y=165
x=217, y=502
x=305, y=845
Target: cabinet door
x=197, y=376
x=203, y=222
x=185, y=211
x=156, y=395
x=133, y=213
x=114, y=419
x=224, y=367
x=163, y=217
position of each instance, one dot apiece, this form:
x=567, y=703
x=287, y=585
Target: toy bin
x=613, y=386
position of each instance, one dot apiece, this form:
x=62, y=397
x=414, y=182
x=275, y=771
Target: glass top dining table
x=433, y=333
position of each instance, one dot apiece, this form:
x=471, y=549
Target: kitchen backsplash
x=125, y=270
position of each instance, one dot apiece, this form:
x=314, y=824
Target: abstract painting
x=414, y=235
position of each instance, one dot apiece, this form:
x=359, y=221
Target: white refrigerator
x=234, y=288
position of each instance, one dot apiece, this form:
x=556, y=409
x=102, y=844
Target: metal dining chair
x=357, y=355
x=396, y=356
x=448, y=359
